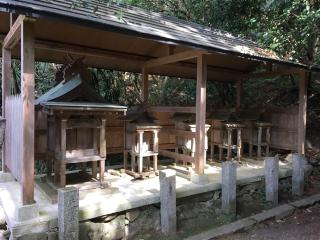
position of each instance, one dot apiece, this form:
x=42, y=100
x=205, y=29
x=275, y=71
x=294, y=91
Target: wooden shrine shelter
x=73, y=123
x=115, y=36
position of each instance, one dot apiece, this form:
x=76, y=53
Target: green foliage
x=291, y=28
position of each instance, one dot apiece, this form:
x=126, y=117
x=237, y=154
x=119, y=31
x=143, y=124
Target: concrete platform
x=122, y=193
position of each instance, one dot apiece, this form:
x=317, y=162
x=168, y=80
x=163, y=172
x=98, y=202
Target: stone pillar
x=298, y=162
x=168, y=201
x=68, y=213
x=229, y=187
x=272, y=179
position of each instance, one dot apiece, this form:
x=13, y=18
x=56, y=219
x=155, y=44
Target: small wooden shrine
x=142, y=142
x=76, y=123
x=232, y=128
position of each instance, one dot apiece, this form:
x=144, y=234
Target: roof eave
x=35, y=13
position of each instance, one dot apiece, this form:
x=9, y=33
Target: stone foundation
x=144, y=222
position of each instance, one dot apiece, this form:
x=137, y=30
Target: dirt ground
x=302, y=225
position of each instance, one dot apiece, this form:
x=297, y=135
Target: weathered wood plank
x=6, y=77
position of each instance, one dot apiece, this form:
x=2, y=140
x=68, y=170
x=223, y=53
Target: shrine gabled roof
x=74, y=94
x=134, y=21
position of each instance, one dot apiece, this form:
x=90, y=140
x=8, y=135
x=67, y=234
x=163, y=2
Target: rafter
x=177, y=57
x=14, y=34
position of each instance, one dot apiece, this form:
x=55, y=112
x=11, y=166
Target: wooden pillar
x=95, y=147
x=27, y=93
x=145, y=85
x=155, y=150
x=302, y=111
x=63, y=149
x=51, y=144
x=140, y=157
x=103, y=149
x=6, y=77
x=239, y=93
x=201, y=113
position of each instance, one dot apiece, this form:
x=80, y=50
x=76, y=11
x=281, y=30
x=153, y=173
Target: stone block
x=229, y=187
x=277, y=212
x=68, y=213
x=309, y=201
x=114, y=229
x=199, y=179
x=168, y=209
x=27, y=212
x=132, y=215
x=147, y=221
x=33, y=236
x=53, y=236
x=224, y=230
x=6, y=177
x=272, y=179
x=298, y=163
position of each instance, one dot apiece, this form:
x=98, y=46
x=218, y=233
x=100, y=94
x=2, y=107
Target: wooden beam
x=27, y=92
x=171, y=109
x=303, y=79
x=176, y=156
x=14, y=35
x=181, y=133
x=145, y=85
x=239, y=93
x=136, y=59
x=201, y=114
x=177, y=57
x=6, y=77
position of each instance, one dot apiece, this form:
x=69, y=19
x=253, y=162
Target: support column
x=145, y=85
x=168, y=201
x=63, y=149
x=302, y=111
x=272, y=179
x=229, y=187
x=27, y=93
x=103, y=149
x=95, y=147
x=201, y=114
x=68, y=213
x=6, y=77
